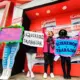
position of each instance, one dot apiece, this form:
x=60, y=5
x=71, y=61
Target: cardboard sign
x=65, y=47
x=33, y=39
x=10, y=35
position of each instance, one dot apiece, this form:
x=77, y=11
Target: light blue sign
x=65, y=47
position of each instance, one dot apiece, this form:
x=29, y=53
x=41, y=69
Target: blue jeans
x=9, y=54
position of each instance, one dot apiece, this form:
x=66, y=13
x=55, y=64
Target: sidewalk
x=22, y=76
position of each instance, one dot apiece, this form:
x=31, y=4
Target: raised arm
x=43, y=30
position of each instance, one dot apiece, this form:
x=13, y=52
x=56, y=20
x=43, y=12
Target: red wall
x=1, y=49
x=61, y=19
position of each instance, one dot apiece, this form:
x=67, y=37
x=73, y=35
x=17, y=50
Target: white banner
x=33, y=39
x=75, y=19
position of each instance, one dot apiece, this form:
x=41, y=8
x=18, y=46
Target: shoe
x=32, y=75
x=68, y=77
x=8, y=74
x=3, y=74
x=65, y=76
x=45, y=75
x=28, y=74
x=51, y=75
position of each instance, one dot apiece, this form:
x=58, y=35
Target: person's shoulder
x=63, y=37
x=58, y=37
x=68, y=37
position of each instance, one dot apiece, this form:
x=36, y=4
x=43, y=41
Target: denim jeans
x=9, y=54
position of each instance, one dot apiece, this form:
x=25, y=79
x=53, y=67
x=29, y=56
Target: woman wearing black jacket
x=65, y=61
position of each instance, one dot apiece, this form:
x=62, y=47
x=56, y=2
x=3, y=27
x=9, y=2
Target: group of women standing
x=49, y=55
x=48, y=50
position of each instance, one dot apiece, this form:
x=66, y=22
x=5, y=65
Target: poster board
x=33, y=39
x=11, y=35
x=66, y=47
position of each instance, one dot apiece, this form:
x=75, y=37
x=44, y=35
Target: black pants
x=66, y=63
x=48, y=60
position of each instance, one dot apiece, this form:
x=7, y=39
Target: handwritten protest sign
x=65, y=47
x=33, y=39
x=10, y=34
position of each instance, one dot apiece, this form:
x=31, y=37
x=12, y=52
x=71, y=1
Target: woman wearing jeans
x=9, y=55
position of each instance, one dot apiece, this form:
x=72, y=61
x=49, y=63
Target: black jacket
x=32, y=49
x=64, y=37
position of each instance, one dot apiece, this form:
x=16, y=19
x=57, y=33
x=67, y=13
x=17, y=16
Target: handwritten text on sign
x=65, y=47
x=33, y=39
x=10, y=34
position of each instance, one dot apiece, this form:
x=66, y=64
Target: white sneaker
x=3, y=74
x=28, y=74
x=8, y=74
x=32, y=75
x=45, y=75
x=51, y=75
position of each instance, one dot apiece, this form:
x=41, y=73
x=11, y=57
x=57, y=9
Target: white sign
x=49, y=23
x=33, y=39
x=75, y=19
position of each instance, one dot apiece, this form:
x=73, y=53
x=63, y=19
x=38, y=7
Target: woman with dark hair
x=65, y=60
